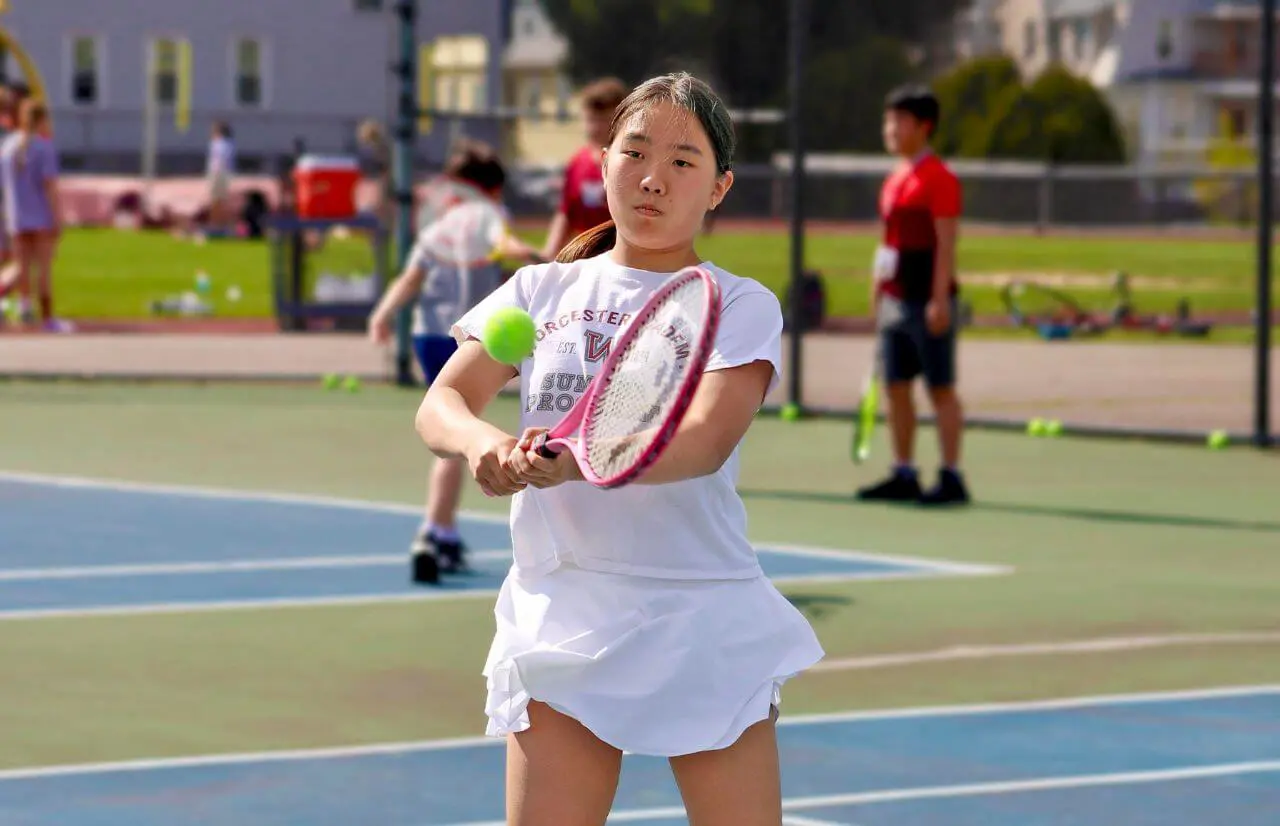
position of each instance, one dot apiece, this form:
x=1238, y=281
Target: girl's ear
x=723, y=184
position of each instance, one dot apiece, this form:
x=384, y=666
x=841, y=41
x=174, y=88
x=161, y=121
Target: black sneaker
x=451, y=555
x=424, y=562
x=898, y=487
x=950, y=490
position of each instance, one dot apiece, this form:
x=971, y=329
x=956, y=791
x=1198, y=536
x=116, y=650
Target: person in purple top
x=32, y=214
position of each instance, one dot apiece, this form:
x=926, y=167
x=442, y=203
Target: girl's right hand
x=489, y=460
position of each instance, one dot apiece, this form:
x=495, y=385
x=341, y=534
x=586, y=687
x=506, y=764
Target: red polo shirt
x=912, y=198
x=582, y=198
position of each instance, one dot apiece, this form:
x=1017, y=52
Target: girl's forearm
x=448, y=426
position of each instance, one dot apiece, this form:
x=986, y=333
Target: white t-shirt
x=457, y=253
x=222, y=157
x=694, y=529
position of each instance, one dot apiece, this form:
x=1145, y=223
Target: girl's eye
x=683, y=163
x=631, y=153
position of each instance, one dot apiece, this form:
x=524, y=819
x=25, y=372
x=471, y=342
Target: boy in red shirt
x=582, y=201
x=914, y=293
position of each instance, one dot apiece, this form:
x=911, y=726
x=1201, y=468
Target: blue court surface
x=137, y=549
x=1188, y=759
x=1191, y=759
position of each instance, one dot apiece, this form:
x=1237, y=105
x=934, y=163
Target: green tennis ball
x=790, y=412
x=331, y=381
x=509, y=335
x=351, y=384
x=1036, y=427
x=1218, y=439
x=1053, y=427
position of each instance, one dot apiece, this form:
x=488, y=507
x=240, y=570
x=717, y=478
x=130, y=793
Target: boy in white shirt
x=455, y=262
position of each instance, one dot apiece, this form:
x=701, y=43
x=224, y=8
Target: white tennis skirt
x=650, y=666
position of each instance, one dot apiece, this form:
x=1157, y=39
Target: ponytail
x=589, y=244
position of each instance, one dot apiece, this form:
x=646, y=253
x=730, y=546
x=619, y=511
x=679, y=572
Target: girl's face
x=661, y=178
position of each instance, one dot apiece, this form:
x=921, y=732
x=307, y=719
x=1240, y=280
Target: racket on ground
x=864, y=415
x=633, y=407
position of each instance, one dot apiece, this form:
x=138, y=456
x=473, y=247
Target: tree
x=1058, y=117
x=967, y=94
x=856, y=51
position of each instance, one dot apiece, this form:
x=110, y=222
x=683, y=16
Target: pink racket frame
x=562, y=435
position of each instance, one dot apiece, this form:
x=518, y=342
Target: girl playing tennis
x=635, y=619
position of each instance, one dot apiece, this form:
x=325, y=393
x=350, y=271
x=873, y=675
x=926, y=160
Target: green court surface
x=116, y=275
x=1163, y=560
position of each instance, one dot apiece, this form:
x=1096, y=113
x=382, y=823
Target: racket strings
x=637, y=396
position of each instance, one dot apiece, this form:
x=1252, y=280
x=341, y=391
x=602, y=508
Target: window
x=533, y=94
x=165, y=66
x=1080, y=36
x=1029, y=37
x=85, y=71
x=248, y=73
x=479, y=98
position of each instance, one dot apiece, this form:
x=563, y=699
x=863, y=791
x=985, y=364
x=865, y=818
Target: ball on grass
x=331, y=381
x=1218, y=439
x=1053, y=427
x=790, y=412
x=1037, y=427
x=351, y=384
x=509, y=335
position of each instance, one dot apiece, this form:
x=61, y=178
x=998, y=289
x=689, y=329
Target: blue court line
x=127, y=548
x=1169, y=758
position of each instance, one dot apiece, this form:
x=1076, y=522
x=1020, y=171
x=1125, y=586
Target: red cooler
x=326, y=186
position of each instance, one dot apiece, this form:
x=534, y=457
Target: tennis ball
x=790, y=412
x=1036, y=427
x=1218, y=439
x=1053, y=427
x=351, y=384
x=331, y=381
x=509, y=335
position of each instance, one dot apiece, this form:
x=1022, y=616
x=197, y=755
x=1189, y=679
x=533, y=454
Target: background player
x=582, y=201
x=454, y=264
x=914, y=293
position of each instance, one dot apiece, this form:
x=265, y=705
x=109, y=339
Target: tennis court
x=205, y=618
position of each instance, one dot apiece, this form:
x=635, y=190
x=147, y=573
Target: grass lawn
x=110, y=274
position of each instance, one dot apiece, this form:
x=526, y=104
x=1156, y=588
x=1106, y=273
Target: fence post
x=1044, y=211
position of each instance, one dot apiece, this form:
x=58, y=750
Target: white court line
x=423, y=594
x=222, y=567
x=1037, y=784
x=306, y=500
x=341, y=752
x=796, y=820
x=1089, y=646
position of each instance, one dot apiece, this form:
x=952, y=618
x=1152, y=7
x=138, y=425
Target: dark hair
x=918, y=101
x=476, y=163
x=222, y=129
x=680, y=89
x=604, y=95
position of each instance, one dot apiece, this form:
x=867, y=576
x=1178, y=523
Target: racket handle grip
x=540, y=445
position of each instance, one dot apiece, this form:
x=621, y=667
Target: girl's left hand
x=538, y=471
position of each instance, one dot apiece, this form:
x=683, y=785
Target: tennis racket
x=864, y=415
x=633, y=407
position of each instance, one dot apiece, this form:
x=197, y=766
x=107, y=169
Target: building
x=276, y=70
x=535, y=83
x=1181, y=74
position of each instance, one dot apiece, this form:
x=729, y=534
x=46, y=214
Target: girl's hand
x=538, y=471
x=490, y=466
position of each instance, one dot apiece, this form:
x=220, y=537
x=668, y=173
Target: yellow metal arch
x=29, y=71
